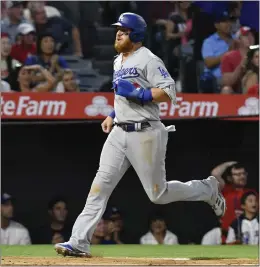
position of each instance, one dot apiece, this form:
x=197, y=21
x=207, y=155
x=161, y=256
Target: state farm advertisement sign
x=69, y=106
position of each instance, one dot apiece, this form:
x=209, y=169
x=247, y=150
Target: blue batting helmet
x=134, y=22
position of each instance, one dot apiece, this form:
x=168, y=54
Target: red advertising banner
x=92, y=106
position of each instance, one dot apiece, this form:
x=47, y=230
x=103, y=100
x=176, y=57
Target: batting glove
x=127, y=90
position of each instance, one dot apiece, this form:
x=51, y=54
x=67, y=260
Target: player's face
x=239, y=177
x=122, y=42
x=251, y=204
x=60, y=211
x=7, y=210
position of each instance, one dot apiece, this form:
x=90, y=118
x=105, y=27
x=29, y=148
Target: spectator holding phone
x=28, y=76
x=233, y=63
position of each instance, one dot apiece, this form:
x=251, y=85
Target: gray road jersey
x=143, y=69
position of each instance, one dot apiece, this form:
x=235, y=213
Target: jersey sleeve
x=158, y=77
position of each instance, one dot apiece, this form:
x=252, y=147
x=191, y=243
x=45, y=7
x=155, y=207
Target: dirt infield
x=58, y=261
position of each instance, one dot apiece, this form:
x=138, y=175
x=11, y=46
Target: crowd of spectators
x=32, y=40
x=221, y=57
x=239, y=225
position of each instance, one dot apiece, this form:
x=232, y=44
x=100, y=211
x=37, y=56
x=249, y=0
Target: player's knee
x=156, y=198
x=157, y=201
x=102, y=184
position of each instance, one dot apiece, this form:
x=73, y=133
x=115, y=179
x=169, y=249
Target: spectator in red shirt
x=27, y=46
x=233, y=62
x=233, y=179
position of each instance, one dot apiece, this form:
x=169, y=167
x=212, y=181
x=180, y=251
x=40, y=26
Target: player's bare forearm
x=159, y=95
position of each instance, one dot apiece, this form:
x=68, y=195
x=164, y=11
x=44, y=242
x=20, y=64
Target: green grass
x=182, y=251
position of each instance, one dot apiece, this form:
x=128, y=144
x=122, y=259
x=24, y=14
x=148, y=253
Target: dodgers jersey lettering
x=146, y=70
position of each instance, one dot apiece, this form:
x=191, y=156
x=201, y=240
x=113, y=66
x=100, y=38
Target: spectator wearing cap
x=57, y=230
x=245, y=229
x=232, y=177
x=9, y=66
x=27, y=46
x=115, y=233
x=47, y=57
x=214, y=48
x=233, y=62
x=15, y=17
x=65, y=34
x=158, y=234
x=12, y=232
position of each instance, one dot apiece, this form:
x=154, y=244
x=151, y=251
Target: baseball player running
x=136, y=137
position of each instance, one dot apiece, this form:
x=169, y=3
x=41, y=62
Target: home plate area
x=110, y=261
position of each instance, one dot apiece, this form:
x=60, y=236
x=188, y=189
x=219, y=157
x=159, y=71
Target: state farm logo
x=251, y=107
x=189, y=108
x=26, y=106
x=99, y=106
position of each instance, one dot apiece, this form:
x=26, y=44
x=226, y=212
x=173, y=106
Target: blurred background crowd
x=67, y=46
x=240, y=225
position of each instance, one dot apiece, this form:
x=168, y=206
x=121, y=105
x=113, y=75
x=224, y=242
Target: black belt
x=133, y=127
